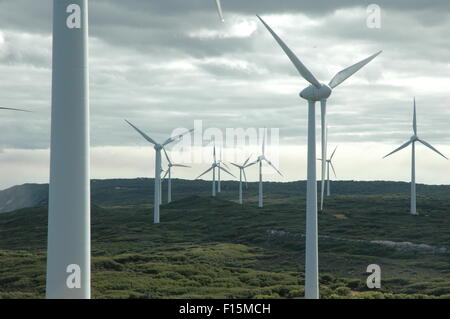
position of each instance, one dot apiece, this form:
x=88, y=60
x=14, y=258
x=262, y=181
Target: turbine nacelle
x=313, y=93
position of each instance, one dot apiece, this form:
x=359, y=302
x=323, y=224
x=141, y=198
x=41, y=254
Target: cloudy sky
x=164, y=64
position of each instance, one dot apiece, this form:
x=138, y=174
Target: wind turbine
x=329, y=163
x=414, y=138
x=213, y=167
x=219, y=164
x=242, y=173
x=158, y=170
x=69, y=243
x=169, y=175
x=314, y=93
x=219, y=10
x=262, y=158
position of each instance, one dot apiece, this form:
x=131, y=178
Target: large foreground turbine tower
x=314, y=93
x=412, y=141
x=69, y=241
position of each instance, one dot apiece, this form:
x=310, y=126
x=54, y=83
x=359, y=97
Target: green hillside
x=214, y=248
x=139, y=191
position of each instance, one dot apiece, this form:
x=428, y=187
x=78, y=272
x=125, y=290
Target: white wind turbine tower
x=69, y=244
x=314, y=93
x=329, y=163
x=158, y=170
x=213, y=167
x=169, y=176
x=262, y=158
x=414, y=138
x=219, y=164
x=242, y=173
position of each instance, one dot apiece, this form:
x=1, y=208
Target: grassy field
x=215, y=248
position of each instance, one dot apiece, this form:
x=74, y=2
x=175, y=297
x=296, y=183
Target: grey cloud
x=136, y=45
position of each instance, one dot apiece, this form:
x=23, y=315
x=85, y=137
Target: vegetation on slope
x=213, y=248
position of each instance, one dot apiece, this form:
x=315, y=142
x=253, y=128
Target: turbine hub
x=311, y=93
x=158, y=147
x=414, y=138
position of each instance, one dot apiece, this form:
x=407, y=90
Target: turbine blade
x=348, y=72
x=224, y=164
x=180, y=165
x=432, y=148
x=245, y=163
x=11, y=109
x=270, y=163
x=415, y=118
x=176, y=138
x=148, y=138
x=219, y=10
x=206, y=172
x=333, y=153
x=245, y=178
x=234, y=164
x=225, y=170
x=214, y=153
x=398, y=149
x=304, y=72
x=251, y=164
x=167, y=156
x=332, y=167
x=167, y=173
